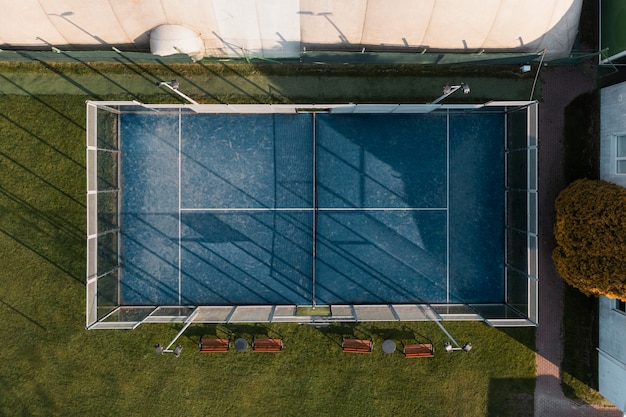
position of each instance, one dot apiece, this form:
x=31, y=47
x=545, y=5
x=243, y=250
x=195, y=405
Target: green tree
x=590, y=233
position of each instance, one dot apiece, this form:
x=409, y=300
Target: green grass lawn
x=53, y=366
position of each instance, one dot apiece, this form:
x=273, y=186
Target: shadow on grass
x=15, y=310
x=230, y=83
x=217, y=331
x=509, y=397
x=38, y=99
x=40, y=233
x=188, y=80
x=336, y=332
x=523, y=335
x=40, y=139
x=404, y=334
x=580, y=360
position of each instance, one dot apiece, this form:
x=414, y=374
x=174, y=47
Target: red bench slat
x=214, y=345
x=267, y=345
x=357, y=345
x=420, y=350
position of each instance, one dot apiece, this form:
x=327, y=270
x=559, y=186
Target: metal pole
x=447, y=93
x=183, y=95
x=167, y=349
x=532, y=92
x=447, y=334
x=448, y=90
x=187, y=324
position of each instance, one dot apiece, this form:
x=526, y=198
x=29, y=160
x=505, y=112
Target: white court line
x=315, y=214
x=180, y=213
x=448, y=205
x=318, y=209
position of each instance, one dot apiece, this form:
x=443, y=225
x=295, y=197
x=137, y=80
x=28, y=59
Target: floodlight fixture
x=174, y=85
x=177, y=350
x=449, y=348
x=449, y=89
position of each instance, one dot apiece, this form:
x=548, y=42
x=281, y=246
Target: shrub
x=590, y=232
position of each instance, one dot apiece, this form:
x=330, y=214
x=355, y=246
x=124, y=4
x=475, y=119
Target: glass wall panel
x=532, y=169
x=517, y=250
x=107, y=252
x=516, y=209
x=517, y=289
x=496, y=311
x=517, y=169
x=108, y=290
x=517, y=135
x=129, y=314
x=532, y=255
x=107, y=212
x=107, y=130
x=107, y=171
x=532, y=212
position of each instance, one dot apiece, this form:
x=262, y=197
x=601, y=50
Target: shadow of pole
x=15, y=310
x=60, y=74
x=19, y=87
x=42, y=255
x=72, y=231
x=42, y=179
x=55, y=149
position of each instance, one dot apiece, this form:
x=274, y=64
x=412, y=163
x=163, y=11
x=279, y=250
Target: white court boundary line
x=447, y=206
x=315, y=213
x=180, y=211
x=315, y=209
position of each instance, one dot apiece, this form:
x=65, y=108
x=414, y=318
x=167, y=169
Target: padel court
x=337, y=205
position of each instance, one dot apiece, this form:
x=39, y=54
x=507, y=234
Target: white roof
x=281, y=28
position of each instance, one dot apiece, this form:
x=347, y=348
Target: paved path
x=560, y=86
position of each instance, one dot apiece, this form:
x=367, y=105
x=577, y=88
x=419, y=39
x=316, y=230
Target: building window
x=620, y=156
x=620, y=306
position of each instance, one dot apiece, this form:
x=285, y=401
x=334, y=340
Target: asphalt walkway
x=561, y=85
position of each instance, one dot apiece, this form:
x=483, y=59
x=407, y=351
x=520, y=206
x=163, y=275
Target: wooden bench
x=357, y=345
x=419, y=350
x=214, y=345
x=267, y=345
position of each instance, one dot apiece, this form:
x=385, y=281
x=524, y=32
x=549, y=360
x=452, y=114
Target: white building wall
x=612, y=124
x=612, y=323
x=612, y=353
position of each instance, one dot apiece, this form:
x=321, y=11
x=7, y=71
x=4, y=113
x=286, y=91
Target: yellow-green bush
x=590, y=232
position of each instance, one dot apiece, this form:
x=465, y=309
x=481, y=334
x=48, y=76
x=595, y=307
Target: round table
x=241, y=344
x=389, y=346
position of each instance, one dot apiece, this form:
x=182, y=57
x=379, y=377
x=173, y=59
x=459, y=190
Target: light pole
x=448, y=346
x=173, y=85
x=449, y=89
x=466, y=347
x=158, y=349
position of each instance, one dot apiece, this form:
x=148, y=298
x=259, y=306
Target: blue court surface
x=237, y=209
